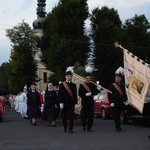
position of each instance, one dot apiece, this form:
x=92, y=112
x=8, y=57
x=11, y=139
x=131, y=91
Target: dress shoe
x=54, y=124
x=90, y=130
x=49, y=124
x=30, y=122
x=84, y=129
x=118, y=129
x=71, y=131
x=65, y=129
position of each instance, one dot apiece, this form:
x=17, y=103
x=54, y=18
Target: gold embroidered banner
x=77, y=79
x=137, y=79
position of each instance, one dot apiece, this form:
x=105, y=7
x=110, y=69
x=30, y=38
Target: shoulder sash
x=118, y=88
x=68, y=89
x=86, y=87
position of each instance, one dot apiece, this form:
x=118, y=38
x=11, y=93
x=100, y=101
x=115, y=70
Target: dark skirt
x=33, y=112
x=49, y=113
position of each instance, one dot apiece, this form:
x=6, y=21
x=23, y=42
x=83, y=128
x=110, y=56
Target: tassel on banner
x=138, y=59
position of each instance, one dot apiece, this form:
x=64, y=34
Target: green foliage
x=22, y=66
x=106, y=30
x=137, y=29
x=64, y=41
x=4, y=78
x=80, y=70
x=54, y=79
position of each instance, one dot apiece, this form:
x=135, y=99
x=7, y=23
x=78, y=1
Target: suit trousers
x=68, y=116
x=117, y=116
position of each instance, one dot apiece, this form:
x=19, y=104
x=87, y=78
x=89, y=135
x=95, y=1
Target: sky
x=12, y=12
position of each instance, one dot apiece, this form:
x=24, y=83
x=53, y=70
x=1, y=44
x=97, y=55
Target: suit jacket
x=87, y=100
x=33, y=102
x=117, y=98
x=64, y=96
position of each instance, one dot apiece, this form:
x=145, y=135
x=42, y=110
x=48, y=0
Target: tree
x=138, y=30
x=64, y=41
x=105, y=31
x=4, y=79
x=22, y=65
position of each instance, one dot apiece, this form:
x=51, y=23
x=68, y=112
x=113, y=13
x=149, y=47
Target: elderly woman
x=50, y=105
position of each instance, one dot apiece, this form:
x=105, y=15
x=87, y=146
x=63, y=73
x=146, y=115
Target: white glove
x=76, y=106
x=56, y=106
x=61, y=105
x=99, y=87
x=112, y=105
x=43, y=93
x=126, y=103
x=88, y=94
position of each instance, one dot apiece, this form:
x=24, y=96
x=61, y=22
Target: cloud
x=26, y=4
x=126, y=8
x=130, y=3
x=117, y=3
x=4, y=50
x=13, y=12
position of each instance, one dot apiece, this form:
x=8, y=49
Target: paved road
x=17, y=134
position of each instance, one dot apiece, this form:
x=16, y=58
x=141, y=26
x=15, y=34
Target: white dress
x=23, y=105
x=17, y=103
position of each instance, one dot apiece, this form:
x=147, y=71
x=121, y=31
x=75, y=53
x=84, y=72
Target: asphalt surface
x=17, y=134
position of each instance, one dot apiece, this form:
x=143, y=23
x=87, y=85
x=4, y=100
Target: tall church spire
x=38, y=23
x=42, y=73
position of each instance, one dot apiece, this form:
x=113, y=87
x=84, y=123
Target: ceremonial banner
x=77, y=79
x=137, y=79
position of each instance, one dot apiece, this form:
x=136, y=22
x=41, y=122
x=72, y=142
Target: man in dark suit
x=67, y=96
x=118, y=97
x=86, y=91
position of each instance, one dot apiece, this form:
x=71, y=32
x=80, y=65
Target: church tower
x=42, y=73
x=38, y=23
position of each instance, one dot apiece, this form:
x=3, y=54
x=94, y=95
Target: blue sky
x=13, y=12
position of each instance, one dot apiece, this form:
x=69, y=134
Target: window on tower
x=45, y=77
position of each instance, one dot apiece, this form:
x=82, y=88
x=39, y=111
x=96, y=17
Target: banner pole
x=81, y=78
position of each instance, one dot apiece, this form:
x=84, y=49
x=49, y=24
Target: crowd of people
x=53, y=103
x=8, y=102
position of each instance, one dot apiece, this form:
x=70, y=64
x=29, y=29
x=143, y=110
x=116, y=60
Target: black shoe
x=65, y=129
x=90, y=130
x=84, y=129
x=54, y=124
x=118, y=129
x=71, y=131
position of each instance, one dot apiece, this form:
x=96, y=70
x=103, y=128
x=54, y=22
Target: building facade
x=42, y=72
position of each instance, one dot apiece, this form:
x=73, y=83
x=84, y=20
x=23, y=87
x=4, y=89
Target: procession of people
x=53, y=104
